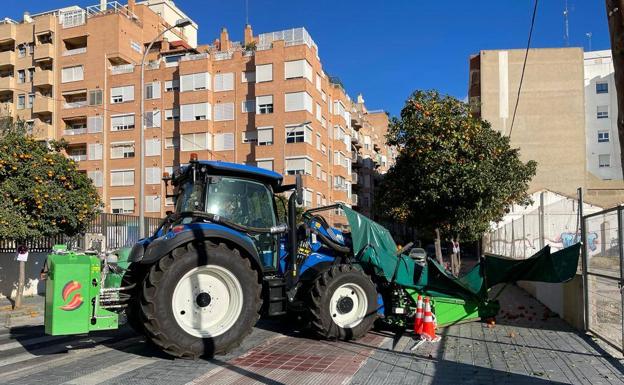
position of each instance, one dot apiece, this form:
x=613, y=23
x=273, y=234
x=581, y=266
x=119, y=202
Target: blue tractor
x=223, y=258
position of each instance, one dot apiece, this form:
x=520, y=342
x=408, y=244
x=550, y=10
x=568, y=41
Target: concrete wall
x=9, y=271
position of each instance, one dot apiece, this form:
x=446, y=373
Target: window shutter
x=318, y=83
x=228, y=81
x=293, y=101
x=265, y=99
x=67, y=74
x=266, y=164
x=94, y=124
x=187, y=112
x=265, y=135
x=152, y=147
x=96, y=177
x=248, y=106
x=128, y=93
x=307, y=135
x=78, y=73
x=201, y=81
x=307, y=102
x=307, y=70
x=94, y=151
x=152, y=175
x=264, y=73
x=116, y=178
x=224, y=111
x=155, y=90
x=318, y=112
x=224, y=142
x=293, y=69
x=156, y=119
x=248, y=77
x=186, y=83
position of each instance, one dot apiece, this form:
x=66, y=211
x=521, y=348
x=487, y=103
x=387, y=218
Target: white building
x=603, y=146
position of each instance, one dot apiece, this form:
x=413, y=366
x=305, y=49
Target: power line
x=526, y=55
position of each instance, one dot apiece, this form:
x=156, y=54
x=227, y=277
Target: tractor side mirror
x=299, y=189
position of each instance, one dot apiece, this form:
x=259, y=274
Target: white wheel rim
x=349, y=316
x=212, y=315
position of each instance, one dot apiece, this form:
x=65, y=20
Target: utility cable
x=526, y=55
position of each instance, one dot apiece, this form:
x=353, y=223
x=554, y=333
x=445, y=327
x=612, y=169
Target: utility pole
x=616, y=33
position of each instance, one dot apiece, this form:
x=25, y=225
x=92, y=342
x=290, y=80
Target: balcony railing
x=77, y=104
x=122, y=69
x=198, y=56
x=223, y=55
x=78, y=158
x=74, y=131
x=75, y=51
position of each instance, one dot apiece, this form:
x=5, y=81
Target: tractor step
x=275, y=295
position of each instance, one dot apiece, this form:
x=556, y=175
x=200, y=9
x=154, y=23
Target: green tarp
x=373, y=245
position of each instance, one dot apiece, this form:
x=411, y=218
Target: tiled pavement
x=524, y=347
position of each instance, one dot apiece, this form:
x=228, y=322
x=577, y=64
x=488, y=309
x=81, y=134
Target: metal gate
x=603, y=271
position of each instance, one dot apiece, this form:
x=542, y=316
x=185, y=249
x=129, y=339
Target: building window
x=264, y=73
x=298, y=166
x=72, y=74
x=602, y=88
x=298, y=134
x=94, y=151
x=21, y=50
x=224, y=142
x=172, y=143
x=172, y=85
x=223, y=111
x=152, y=147
x=604, y=160
x=195, y=82
x=603, y=136
x=21, y=101
x=248, y=106
x=152, y=90
x=21, y=76
x=265, y=136
x=173, y=114
x=266, y=164
x=602, y=112
x=319, y=169
x=31, y=100
x=264, y=104
x=198, y=111
x=195, y=142
x=298, y=69
x=298, y=101
x=152, y=119
x=248, y=77
x=122, y=122
x=95, y=97
x=152, y=175
x=152, y=203
x=122, y=178
x=250, y=136
x=31, y=74
x=95, y=124
x=96, y=177
x=224, y=82
x=122, y=150
x=122, y=205
x=122, y=94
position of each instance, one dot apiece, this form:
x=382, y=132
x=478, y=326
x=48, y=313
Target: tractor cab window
x=190, y=197
x=244, y=202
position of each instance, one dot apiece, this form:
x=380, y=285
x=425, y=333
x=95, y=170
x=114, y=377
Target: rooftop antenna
x=589, y=38
x=246, y=12
x=566, y=33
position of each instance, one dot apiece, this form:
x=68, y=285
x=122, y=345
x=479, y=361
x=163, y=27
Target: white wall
x=599, y=68
x=171, y=13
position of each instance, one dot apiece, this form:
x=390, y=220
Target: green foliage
x=281, y=201
x=453, y=171
x=42, y=193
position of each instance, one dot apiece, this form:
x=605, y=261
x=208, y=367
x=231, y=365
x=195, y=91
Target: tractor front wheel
x=343, y=303
x=200, y=300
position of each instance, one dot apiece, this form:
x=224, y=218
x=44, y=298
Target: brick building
x=74, y=73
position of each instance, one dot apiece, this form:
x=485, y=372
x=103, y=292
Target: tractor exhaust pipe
x=295, y=198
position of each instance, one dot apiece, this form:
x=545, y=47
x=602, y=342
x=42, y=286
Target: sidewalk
x=31, y=312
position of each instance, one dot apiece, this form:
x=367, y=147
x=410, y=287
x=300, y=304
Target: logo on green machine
x=75, y=302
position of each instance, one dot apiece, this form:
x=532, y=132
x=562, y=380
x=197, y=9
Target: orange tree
x=454, y=173
x=42, y=193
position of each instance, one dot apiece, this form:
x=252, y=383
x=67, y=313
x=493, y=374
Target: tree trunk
x=20, y=284
x=438, y=247
x=615, y=18
x=455, y=259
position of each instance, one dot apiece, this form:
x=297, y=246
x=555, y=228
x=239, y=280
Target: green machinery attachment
x=76, y=300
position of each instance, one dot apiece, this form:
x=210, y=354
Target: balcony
x=122, y=69
x=7, y=82
x=43, y=105
x=44, y=52
x=42, y=130
x=44, y=24
x=75, y=104
x=354, y=178
x=78, y=153
x=43, y=78
x=75, y=51
x=75, y=125
x=7, y=31
x=7, y=58
x=354, y=200
x=75, y=99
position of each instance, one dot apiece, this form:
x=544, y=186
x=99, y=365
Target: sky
x=388, y=49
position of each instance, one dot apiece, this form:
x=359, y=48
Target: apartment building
x=557, y=120
x=601, y=133
x=265, y=101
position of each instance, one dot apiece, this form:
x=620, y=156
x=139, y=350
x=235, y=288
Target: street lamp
x=179, y=24
x=288, y=131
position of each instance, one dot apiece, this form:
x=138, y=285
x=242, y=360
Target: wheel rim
x=348, y=305
x=207, y=301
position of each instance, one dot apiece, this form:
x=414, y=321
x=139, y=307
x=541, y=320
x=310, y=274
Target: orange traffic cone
x=428, y=331
x=418, y=321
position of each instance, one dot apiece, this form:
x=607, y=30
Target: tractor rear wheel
x=343, y=303
x=200, y=300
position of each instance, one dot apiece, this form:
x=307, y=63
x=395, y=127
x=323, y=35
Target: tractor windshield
x=190, y=197
x=242, y=201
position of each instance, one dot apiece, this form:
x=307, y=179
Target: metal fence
x=603, y=274
x=117, y=229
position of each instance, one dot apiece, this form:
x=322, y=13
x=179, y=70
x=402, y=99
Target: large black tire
x=157, y=294
x=135, y=275
x=320, y=307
